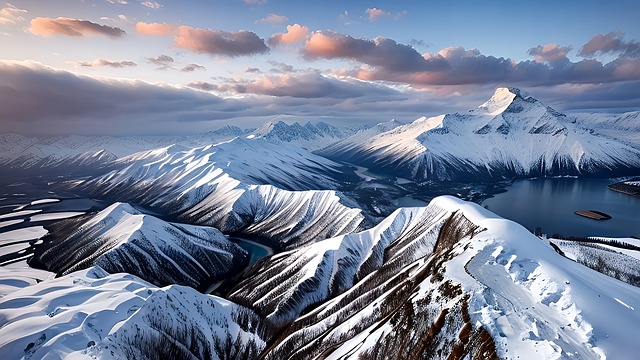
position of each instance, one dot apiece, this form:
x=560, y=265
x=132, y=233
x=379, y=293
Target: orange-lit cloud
x=155, y=28
x=72, y=27
x=551, y=53
x=295, y=33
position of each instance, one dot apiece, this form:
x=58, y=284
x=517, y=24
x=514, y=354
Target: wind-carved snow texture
x=510, y=135
x=212, y=186
x=121, y=239
x=458, y=281
x=91, y=314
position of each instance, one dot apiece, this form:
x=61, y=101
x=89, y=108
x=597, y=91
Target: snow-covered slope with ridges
x=327, y=268
x=308, y=136
x=122, y=239
x=510, y=135
x=217, y=185
x=39, y=152
x=486, y=288
x=90, y=314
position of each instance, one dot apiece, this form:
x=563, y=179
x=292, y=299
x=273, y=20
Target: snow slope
x=216, y=185
x=38, y=152
x=481, y=286
x=122, y=239
x=90, y=314
x=510, y=135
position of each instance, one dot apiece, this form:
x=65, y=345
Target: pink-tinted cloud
x=207, y=41
x=296, y=33
x=159, y=29
x=218, y=42
x=273, y=19
x=11, y=15
x=380, y=51
x=550, y=53
x=108, y=63
x=374, y=14
x=610, y=43
x=72, y=27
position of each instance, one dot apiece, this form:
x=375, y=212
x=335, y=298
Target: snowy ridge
x=214, y=185
x=308, y=136
x=327, y=268
x=121, y=239
x=90, y=314
x=508, y=136
x=488, y=288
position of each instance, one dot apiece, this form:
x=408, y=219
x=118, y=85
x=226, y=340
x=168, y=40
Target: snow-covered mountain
x=122, y=239
x=24, y=152
x=90, y=314
x=511, y=135
x=308, y=136
x=225, y=186
x=454, y=280
x=450, y=280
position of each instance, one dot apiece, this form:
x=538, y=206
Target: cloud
x=380, y=51
x=11, y=15
x=610, y=43
x=273, y=19
x=253, y=70
x=206, y=41
x=374, y=14
x=383, y=59
x=151, y=4
x=40, y=100
x=255, y=2
x=306, y=85
x=72, y=27
x=121, y=2
x=218, y=42
x=279, y=67
x=295, y=33
x=192, y=68
x=104, y=62
x=155, y=28
x=163, y=62
x=550, y=53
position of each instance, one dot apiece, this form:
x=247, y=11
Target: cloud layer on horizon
x=33, y=102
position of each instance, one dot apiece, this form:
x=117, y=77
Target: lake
x=550, y=205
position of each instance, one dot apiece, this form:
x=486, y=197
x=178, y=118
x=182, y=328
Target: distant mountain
x=511, y=135
x=24, y=152
x=91, y=314
x=308, y=136
x=122, y=239
x=237, y=186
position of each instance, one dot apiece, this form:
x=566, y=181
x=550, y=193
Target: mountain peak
x=502, y=98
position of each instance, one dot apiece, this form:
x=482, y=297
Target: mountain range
x=258, y=243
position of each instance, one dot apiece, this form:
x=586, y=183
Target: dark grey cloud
x=192, y=68
x=162, y=62
x=612, y=42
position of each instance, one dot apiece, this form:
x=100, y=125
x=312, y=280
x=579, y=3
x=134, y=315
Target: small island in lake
x=629, y=187
x=592, y=214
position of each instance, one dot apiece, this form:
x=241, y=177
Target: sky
x=134, y=67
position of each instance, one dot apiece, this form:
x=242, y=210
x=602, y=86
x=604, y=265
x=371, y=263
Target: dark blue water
x=550, y=205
